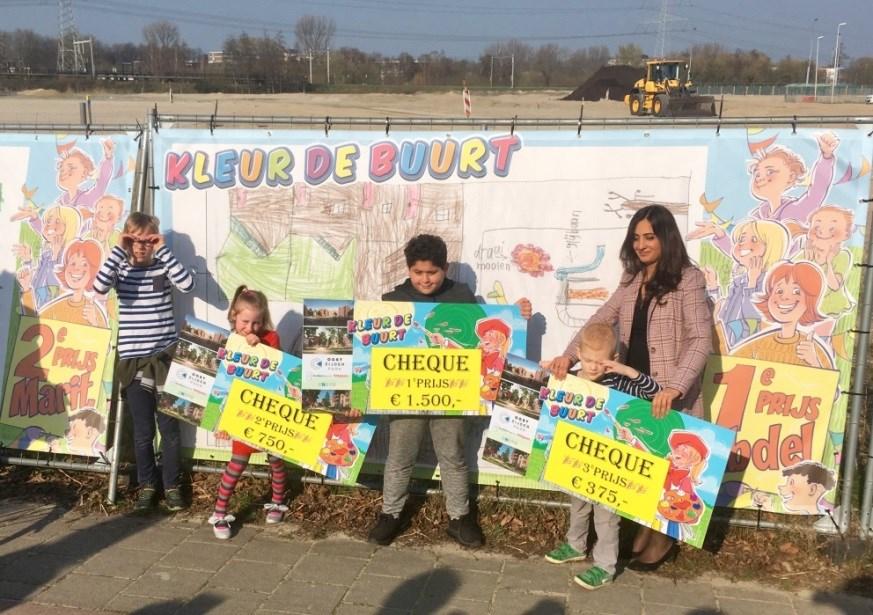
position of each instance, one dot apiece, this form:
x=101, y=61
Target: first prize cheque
x=596, y=467
x=425, y=381
x=273, y=423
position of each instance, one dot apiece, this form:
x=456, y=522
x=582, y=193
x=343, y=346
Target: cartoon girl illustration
x=495, y=339
x=756, y=246
x=60, y=225
x=791, y=297
x=829, y=227
x=81, y=261
x=774, y=171
x=680, y=504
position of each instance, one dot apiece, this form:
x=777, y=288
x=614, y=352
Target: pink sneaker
x=275, y=512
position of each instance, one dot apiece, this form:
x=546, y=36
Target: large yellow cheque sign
x=600, y=469
x=425, y=381
x=273, y=423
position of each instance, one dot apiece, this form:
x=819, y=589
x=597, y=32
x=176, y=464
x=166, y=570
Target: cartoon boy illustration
x=107, y=214
x=829, y=227
x=83, y=433
x=775, y=171
x=805, y=485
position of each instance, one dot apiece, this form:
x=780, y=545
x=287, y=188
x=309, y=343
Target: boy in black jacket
x=427, y=259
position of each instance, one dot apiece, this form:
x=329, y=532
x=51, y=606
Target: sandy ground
x=47, y=107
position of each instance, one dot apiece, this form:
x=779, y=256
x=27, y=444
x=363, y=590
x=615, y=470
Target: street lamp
x=836, y=60
x=815, y=87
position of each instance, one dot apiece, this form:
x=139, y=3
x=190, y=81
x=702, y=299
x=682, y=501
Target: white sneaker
x=221, y=525
x=275, y=513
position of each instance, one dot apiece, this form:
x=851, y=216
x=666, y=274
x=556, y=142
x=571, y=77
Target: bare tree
x=631, y=54
x=164, y=47
x=314, y=32
x=548, y=61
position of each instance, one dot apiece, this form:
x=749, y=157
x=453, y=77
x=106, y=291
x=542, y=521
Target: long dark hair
x=674, y=258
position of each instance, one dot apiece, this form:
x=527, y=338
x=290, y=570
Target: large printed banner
x=607, y=447
x=495, y=330
x=63, y=201
x=781, y=414
x=53, y=388
x=542, y=215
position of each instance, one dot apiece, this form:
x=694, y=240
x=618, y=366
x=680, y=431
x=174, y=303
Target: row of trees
x=268, y=61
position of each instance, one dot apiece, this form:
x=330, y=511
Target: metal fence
x=143, y=200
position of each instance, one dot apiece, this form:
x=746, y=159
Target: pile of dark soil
x=611, y=82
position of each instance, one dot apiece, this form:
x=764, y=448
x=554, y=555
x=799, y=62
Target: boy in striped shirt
x=597, y=360
x=143, y=272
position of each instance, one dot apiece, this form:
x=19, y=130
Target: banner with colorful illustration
x=193, y=370
x=299, y=214
x=780, y=413
x=54, y=400
x=63, y=201
x=327, y=354
x=606, y=446
x=496, y=330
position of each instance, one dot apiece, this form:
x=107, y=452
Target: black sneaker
x=387, y=528
x=173, y=500
x=466, y=531
x=145, y=500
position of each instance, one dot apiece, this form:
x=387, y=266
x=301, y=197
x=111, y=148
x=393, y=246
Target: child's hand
x=806, y=351
x=25, y=279
x=525, y=307
x=91, y=314
x=352, y=414
x=559, y=367
x=620, y=368
x=108, y=148
x=252, y=339
x=157, y=240
x=827, y=144
x=711, y=278
x=22, y=251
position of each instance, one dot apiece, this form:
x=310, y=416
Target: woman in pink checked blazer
x=665, y=330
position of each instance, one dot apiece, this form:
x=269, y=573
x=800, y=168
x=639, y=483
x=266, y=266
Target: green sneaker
x=173, y=500
x=145, y=500
x=593, y=578
x=563, y=554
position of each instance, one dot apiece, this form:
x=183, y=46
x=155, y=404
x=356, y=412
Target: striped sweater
x=145, y=300
x=642, y=387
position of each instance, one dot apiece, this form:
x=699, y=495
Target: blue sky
x=464, y=28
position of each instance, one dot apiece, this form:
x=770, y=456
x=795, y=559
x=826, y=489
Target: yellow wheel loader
x=667, y=91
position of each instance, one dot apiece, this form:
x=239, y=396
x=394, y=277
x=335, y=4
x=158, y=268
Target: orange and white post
x=468, y=102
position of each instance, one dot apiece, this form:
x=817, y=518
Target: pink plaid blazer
x=679, y=334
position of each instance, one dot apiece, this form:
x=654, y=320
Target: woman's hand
x=663, y=401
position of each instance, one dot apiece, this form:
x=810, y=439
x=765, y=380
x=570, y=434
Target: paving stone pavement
x=55, y=562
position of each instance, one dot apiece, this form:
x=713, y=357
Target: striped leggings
x=235, y=467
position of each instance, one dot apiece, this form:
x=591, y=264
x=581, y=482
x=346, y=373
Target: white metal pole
x=836, y=59
x=512, y=73
x=327, y=53
x=310, y=66
x=809, y=62
x=815, y=87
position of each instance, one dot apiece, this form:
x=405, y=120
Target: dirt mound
x=611, y=82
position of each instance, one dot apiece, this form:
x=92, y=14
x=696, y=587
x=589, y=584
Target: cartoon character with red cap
x=679, y=503
x=495, y=339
